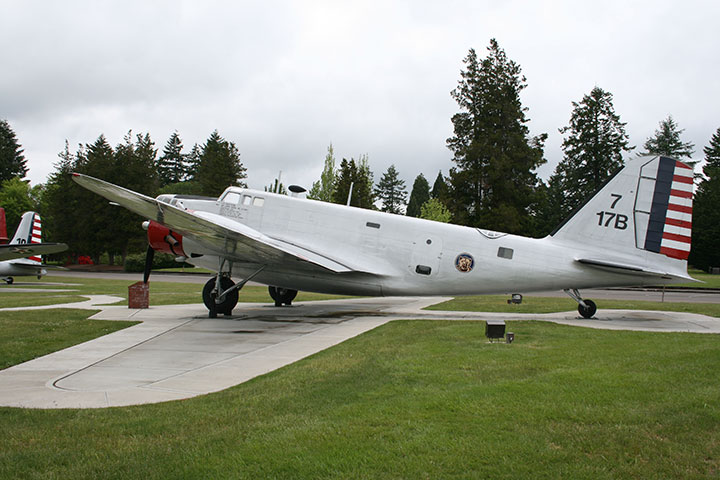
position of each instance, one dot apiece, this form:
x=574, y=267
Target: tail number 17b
x=614, y=220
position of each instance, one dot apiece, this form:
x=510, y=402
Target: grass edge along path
x=29, y=334
x=531, y=304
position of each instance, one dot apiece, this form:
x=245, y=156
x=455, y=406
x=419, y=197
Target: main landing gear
x=586, y=308
x=220, y=294
x=222, y=299
x=282, y=295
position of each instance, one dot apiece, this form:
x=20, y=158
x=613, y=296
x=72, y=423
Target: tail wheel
x=589, y=310
x=226, y=304
x=282, y=295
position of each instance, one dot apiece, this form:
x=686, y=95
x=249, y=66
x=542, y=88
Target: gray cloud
x=284, y=79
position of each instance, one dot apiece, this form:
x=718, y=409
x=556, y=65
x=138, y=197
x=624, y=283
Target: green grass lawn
x=28, y=334
x=711, y=281
x=10, y=300
x=413, y=399
x=530, y=304
x=161, y=293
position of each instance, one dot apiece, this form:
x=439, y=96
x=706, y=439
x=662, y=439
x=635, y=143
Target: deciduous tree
x=323, y=189
x=16, y=199
x=434, y=209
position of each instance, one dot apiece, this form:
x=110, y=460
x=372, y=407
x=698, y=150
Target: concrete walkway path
x=177, y=352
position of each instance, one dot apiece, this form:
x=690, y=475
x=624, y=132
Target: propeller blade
x=148, y=263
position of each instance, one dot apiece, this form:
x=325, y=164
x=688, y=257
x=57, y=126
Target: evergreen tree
x=219, y=166
x=363, y=189
x=192, y=162
x=134, y=168
x=440, y=188
x=95, y=231
x=593, y=151
x=344, y=180
x=434, y=209
x=60, y=202
x=12, y=160
x=357, y=176
x=171, y=166
x=667, y=141
x=390, y=190
x=493, y=183
x=276, y=187
x=418, y=196
x=706, y=215
x=323, y=189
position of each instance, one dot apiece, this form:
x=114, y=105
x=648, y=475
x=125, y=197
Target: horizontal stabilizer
x=9, y=252
x=631, y=269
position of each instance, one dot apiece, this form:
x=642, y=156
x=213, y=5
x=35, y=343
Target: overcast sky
x=285, y=79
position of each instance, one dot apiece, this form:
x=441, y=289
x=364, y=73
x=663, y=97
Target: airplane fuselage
x=407, y=256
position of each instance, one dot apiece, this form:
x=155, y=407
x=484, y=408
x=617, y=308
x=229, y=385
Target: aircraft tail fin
x=29, y=231
x=642, y=217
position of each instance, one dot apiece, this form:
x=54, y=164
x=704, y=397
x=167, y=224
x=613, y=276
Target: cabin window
x=505, y=253
x=372, y=225
x=232, y=197
x=423, y=270
x=258, y=201
x=247, y=199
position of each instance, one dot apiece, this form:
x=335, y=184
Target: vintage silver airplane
x=21, y=257
x=633, y=231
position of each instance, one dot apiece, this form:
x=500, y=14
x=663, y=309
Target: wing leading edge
x=232, y=240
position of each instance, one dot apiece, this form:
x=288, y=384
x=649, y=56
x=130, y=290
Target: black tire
x=9, y=280
x=227, y=303
x=588, y=311
x=282, y=295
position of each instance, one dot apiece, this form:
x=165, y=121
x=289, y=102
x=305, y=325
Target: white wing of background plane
x=230, y=239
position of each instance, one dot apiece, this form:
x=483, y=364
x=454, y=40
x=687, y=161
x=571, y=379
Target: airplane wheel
x=227, y=304
x=9, y=280
x=282, y=295
x=589, y=311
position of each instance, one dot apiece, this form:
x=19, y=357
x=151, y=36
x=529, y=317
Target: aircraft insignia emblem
x=464, y=262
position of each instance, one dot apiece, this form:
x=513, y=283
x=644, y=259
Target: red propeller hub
x=162, y=239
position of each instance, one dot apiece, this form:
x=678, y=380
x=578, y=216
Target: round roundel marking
x=464, y=262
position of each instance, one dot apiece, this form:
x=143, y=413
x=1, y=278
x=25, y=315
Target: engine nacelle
x=162, y=239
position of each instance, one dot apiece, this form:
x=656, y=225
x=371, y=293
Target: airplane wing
x=9, y=252
x=230, y=239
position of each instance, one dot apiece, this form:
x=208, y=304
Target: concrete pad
x=177, y=352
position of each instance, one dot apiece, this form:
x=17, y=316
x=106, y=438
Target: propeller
x=148, y=263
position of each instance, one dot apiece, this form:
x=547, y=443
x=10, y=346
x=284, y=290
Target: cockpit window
x=247, y=199
x=232, y=197
x=258, y=201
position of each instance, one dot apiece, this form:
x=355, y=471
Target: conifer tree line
x=491, y=181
